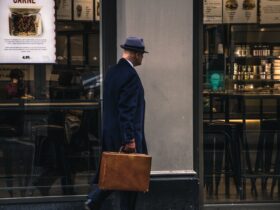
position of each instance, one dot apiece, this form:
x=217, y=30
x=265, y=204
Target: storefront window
x=241, y=95
x=50, y=113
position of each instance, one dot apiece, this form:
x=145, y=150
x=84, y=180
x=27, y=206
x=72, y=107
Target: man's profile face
x=138, y=58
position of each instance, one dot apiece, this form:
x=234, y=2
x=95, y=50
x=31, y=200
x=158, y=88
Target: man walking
x=123, y=121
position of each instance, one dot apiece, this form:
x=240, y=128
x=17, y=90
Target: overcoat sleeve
x=127, y=105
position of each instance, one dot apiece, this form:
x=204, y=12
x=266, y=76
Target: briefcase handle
x=122, y=150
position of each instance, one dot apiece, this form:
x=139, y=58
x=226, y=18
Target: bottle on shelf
x=247, y=51
x=276, y=51
x=243, y=51
x=255, y=51
x=245, y=73
x=239, y=75
x=234, y=72
x=220, y=48
x=276, y=69
x=262, y=72
x=234, y=75
x=251, y=73
x=268, y=70
x=268, y=51
x=237, y=51
x=255, y=72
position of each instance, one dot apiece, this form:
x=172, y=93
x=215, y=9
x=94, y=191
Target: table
x=241, y=97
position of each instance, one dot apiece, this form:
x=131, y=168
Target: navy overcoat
x=123, y=108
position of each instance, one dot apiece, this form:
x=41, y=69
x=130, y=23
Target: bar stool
x=269, y=128
x=222, y=141
x=276, y=171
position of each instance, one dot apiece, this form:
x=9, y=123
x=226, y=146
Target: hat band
x=135, y=47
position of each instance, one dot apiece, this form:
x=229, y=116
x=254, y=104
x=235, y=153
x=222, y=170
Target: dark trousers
x=127, y=198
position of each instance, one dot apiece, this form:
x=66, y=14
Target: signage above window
x=240, y=11
x=270, y=11
x=83, y=10
x=64, y=9
x=230, y=11
x=213, y=12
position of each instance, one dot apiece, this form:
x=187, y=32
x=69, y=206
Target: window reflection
x=57, y=156
x=50, y=118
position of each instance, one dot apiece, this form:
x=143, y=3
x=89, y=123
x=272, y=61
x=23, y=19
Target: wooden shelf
x=256, y=81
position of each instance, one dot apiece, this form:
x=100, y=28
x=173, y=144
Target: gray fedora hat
x=135, y=44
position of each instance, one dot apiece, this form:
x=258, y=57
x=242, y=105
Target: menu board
x=83, y=10
x=64, y=9
x=240, y=11
x=212, y=12
x=27, y=31
x=270, y=11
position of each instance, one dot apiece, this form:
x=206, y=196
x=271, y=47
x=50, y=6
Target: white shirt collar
x=130, y=63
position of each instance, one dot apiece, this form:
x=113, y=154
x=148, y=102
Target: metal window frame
x=197, y=94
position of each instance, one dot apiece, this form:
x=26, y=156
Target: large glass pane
x=241, y=102
x=48, y=152
x=50, y=118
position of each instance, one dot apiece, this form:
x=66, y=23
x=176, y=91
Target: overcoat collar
x=124, y=61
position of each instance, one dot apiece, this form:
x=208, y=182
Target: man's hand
x=130, y=147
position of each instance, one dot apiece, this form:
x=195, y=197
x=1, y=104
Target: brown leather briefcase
x=127, y=172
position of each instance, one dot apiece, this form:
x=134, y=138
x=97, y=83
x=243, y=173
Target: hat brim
x=133, y=49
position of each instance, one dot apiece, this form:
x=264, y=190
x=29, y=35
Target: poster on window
x=64, y=9
x=239, y=11
x=270, y=12
x=97, y=10
x=212, y=12
x=83, y=10
x=27, y=31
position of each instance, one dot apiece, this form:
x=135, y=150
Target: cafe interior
x=241, y=111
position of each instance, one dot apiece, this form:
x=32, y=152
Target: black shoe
x=89, y=205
